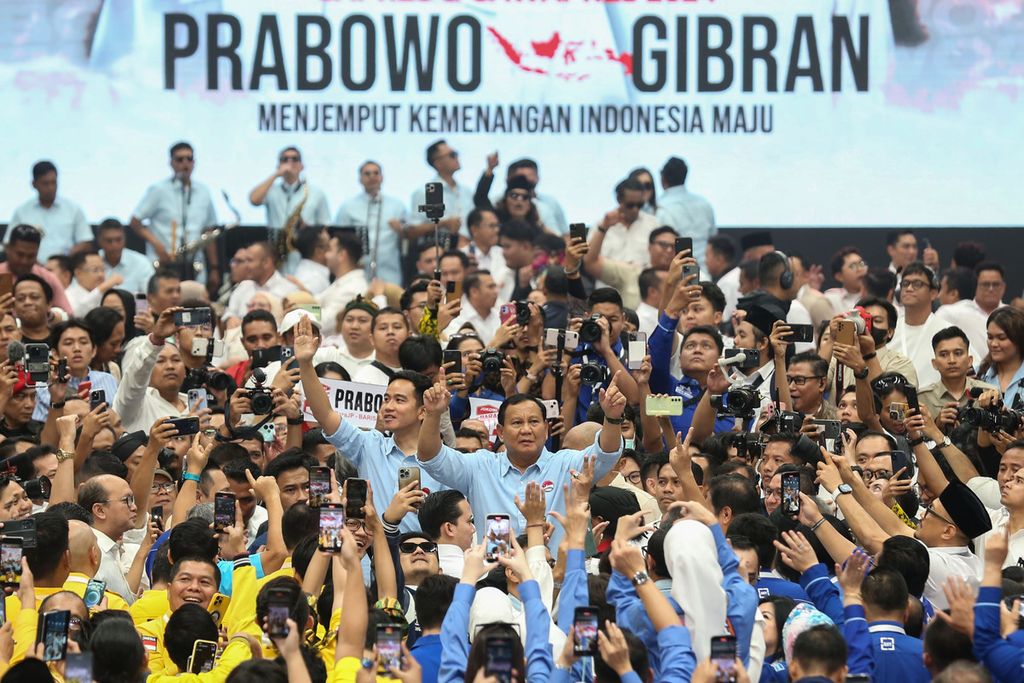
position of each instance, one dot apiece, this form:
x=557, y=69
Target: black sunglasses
x=188, y=158
x=289, y=157
x=409, y=547
x=647, y=186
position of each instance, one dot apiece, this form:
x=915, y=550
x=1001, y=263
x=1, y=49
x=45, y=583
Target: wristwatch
x=944, y=443
x=863, y=374
x=63, y=455
x=640, y=578
x=843, y=488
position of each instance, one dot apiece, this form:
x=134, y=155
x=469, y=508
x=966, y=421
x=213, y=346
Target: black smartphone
x=911, y=393
x=434, y=193
x=279, y=604
x=287, y=353
x=789, y=421
x=498, y=536
x=453, y=357
x=37, y=362
x=193, y=317
x=11, y=549
x=3, y=612
x=801, y=333
x=831, y=429
x=204, y=656
x=355, y=498
x=585, y=621
x=96, y=399
x=684, y=244
x=723, y=654
x=186, y=426
x=156, y=514
x=389, y=648
x=791, y=493
x=62, y=370
x=78, y=667
x=332, y=521
x=498, y=658
x=578, y=231
x=53, y=634
x=223, y=510
x=319, y=486
x=25, y=529
x=261, y=358
x=94, y=592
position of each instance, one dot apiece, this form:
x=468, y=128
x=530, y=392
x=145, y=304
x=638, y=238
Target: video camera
x=492, y=360
x=741, y=402
x=260, y=398
x=994, y=419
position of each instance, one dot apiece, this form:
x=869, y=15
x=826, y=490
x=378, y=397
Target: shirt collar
x=886, y=627
x=545, y=455
x=106, y=543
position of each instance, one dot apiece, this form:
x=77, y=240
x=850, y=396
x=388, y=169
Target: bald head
x=85, y=552
x=581, y=436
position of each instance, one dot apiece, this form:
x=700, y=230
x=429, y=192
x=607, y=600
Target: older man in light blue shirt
x=62, y=221
x=382, y=219
x=688, y=214
x=491, y=481
x=134, y=267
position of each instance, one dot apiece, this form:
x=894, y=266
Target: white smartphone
x=636, y=351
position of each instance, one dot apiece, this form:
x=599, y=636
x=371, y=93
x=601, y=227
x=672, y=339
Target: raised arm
x=306, y=345
x=679, y=458
x=142, y=478
x=64, y=480
x=436, y=400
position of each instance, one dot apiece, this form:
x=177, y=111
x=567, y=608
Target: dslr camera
x=594, y=374
x=260, y=398
x=590, y=330
x=741, y=402
x=492, y=360
x=749, y=445
x=992, y=419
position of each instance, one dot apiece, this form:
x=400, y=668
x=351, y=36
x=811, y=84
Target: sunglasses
x=452, y=154
x=647, y=186
x=633, y=205
x=189, y=158
x=518, y=195
x=289, y=157
x=409, y=547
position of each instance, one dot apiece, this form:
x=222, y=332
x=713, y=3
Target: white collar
x=886, y=628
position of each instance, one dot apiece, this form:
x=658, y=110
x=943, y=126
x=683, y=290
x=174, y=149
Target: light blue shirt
x=551, y=213
x=457, y=202
x=690, y=215
x=491, y=482
x=373, y=215
x=377, y=458
x=169, y=200
x=134, y=267
x=1013, y=390
x=281, y=200
x=63, y=225
x=100, y=380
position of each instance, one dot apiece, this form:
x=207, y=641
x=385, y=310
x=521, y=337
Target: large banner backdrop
x=789, y=112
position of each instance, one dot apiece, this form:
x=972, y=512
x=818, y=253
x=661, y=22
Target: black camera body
x=788, y=422
x=749, y=445
x=751, y=358
x=590, y=330
x=433, y=207
x=741, y=402
x=261, y=399
x=522, y=313
x=492, y=360
x=991, y=419
x=594, y=373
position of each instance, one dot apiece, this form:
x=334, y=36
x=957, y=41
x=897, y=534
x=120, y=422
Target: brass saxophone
x=286, y=236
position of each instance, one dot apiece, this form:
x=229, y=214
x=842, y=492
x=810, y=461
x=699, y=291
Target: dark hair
x=99, y=462
x=476, y=217
x=478, y=651
x=433, y=597
x=919, y=268
x=307, y=239
x=839, y=258
x=780, y=604
x=817, y=363
x=161, y=569
x=820, y=647
x=298, y=522
x=733, y=491
x=291, y=459
x=419, y=353
x=192, y=538
x=432, y=149
x=71, y=511
x=51, y=543
x=656, y=551
x=258, y=671
x=948, y=333
x=25, y=233
x=760, y=531
x=908, y=558
x=893, y=236
x=439, y=508
x=635, y=175
x=713, y=293
x=516, y=399
x=627, y=185
x=890, y=310
x=153, y=286
x=177, y=146
x=708, y=331
x=474, y=279
x=41, y=168
x=187, y=624
x=771, y=266
x=454, y=253
x=968, y=254
x=235, y=469
x=299, y=611
x=963, y=280
x=420, y=382
x=322, y=369
x=604, y=295
x=1011, y=321
x=879, y=282
x=659, y=231
x=638, y=660
x=259, y=315
x=350, y=244
x=388, y=310
x=117, y=652
x=945, y=645
x=128, y=303
x=989, y=265
x=58, y=330
x=885, y=590
x=518, y=230
x=32, y=277
x=110, y=224
x=179, y=565
x=100, y=322
x=724, y=245
x=649, y=279
x=416, y=287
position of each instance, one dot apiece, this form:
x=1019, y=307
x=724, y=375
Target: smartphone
x=207, y=347
x=218, y=607
x=287, y=353
x=186, y=426
x=453, y=357
x=319, y=486
x=332, y=521
x=37, y=362
x=279, y=604
x=204, y=656
x=141, y=303
x=636, y=351
x=898, y=411
x=78, y=667
x=585, y=631
x=789, y=421
x=156, y=514
x=572, y=340
x=551, y=338
x=198, y=399
x=751, y=358
x=223, y=510
x=692, y=269
x=506, y=312
x=193, y=317
x=498, y=536
x=684, y=244
x=62, y=372
x=723, y=654
x=53, y=634
x=911, y=393
x=858, y=678
x=3, y=612
x=846, y=332
x=498, y=658
x=268, y=432
x=552, y=411
x=6, y=283
x=355, y=496
x=11, y=548
x=453, y=290
x=434, y=193
x=96, y=399
x=407, y=475
x=791, y=493
x=389, y=648
x=94, y=592
x=831, y=429
x=660, y=406
x=801, y=334
x=261, y=358
x=578, y=231
x=25, y=529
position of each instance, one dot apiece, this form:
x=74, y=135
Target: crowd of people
x=633, y=450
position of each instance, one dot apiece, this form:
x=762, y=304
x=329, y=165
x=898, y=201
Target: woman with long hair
x=646, y=179
x=108, y=336
x=1004, y=364
x=124, y=303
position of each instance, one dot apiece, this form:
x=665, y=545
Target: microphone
x=738, y=359
x=16, y=352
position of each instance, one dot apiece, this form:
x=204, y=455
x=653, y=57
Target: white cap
x=292, y=318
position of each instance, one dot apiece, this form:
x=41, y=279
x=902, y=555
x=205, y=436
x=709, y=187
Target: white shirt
x=63, y=224
x=842, y=300
x=316, y=277
x=138, y=404
x=968, y=316
x=276, y=284
x=134, y=267
x=648, y=316
x=190, y=208
x=282, y=199
x=458, y=202
x=629, y=244
x=259, y=516
x=485, y=326
x=1000, y=520
x=83, y=300
x=689, y=214
x=947, y=562
x=351, y=364
x=493, y=261
x=451, y=558
x=372, y=214
x=115, y=561
x=915, y=342
x=334, y=299
x=730, y=286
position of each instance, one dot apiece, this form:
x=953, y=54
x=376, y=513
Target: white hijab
x=692, y=561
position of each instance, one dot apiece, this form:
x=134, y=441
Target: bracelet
x=573, y=271
x=614, y=420
x=916, y=442
x=56, y=405
x=815, y=526
x=869, y=356
x=296, y=421
x=188, y=476
x=530, y=526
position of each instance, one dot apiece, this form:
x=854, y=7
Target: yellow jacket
x=236, y=652
x=151, y=605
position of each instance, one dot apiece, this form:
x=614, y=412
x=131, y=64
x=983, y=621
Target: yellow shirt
x=348, y=668
x=153, y=604
x=77, y=584
x=234, y=654
x=152, y=634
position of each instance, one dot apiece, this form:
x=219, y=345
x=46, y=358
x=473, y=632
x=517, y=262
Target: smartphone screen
x=498, y=658
x=54, y=627
x=636, y=352
x=454, y=357
x=585, y=631
x=78, y=667
x=319, y=486
x=332, y=521
x=389, y=648
x=791, y=493
x=355, y=497
x=3, y=612
x=204, y=655
x=801, y=334
x=498, y=536
x=156, y=514
x=10, y=560
x=141, y=303
x=94, y=592
x=223, y=510
x=723, y=654
x=278, y=611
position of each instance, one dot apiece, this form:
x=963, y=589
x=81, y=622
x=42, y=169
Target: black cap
x=756, y=239
x=611, y=502
x=518, y=182
x=761, y=317
x=965, y=509
x=128, y=444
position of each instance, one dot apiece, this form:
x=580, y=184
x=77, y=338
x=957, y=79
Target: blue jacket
x=823, y=593
x=898, y=657
x=674, y=644
x=859, y=659
x=427, y=651
x=1004, y=660
x=775, y=670
x=768, y=585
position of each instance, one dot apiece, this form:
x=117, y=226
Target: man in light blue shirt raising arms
x=688, y=214
x=494, y=481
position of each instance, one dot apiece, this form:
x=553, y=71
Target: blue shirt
x=134, y=267
x=898, y=657
x=490, y=482
x=377, y=459
x=690, y=215
x=189, y=208
x=63, y=224
x=1004, y=660
x=373, y=214
x=769, y=583
x=1013, y=390
x=427, y=651
x=100, y=380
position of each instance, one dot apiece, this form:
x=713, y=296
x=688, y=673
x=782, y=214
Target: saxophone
x=286, y=236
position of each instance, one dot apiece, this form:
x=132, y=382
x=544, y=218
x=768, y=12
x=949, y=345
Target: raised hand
x=534, y=507
x=613, y=401
x=164, y=326
x=851, y=576
x=437, y=398
x=306, y=343
x=796, y=551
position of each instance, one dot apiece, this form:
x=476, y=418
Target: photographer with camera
x=601, y=353
x=952, y=360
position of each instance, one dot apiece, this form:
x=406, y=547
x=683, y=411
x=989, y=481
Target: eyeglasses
x=868, y=475
x=664, y=245
x=128, y=500
x=857, y=265
x=633, y=205
x=800, y=380
x=931, y=511
x=355, y=524
x=633, y=477
x=452, y=154
x=521, y=196
x=408, y=548
x=648, y=186
x=188, y=159
x=913, y=285
x=165, y=487
x=289, y=157
x=991, y=285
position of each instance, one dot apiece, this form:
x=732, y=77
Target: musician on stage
x=381, y=221
x=283, y=198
